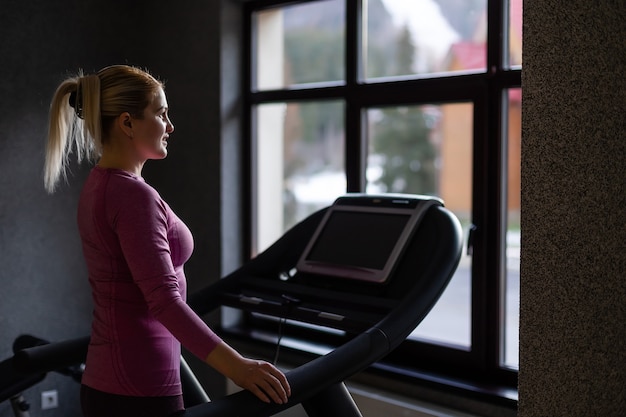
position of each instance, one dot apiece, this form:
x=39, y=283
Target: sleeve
x=141, y=225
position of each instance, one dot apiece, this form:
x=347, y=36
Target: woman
x=135, y=248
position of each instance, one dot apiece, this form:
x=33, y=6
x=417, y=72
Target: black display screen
x=358, y=239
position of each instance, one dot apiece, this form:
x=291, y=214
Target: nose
x=170, y=126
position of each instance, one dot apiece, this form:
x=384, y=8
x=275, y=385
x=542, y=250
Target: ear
x=124, y=122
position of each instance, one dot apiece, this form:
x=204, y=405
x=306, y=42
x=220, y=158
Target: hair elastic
x=76, y=104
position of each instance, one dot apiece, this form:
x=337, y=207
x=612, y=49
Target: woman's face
x=150, y=134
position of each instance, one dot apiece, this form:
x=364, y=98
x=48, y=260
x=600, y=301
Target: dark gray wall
x=44, y=289
x=573, y=271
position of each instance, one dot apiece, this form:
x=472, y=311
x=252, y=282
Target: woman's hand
x=261, y=378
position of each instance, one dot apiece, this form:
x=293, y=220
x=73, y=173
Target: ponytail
x=74, y=123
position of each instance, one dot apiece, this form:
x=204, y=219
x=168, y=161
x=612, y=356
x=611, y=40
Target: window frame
x=481, y=366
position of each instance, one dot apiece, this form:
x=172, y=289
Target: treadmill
x=370, y=265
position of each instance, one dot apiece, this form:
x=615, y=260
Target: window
x=399, y=96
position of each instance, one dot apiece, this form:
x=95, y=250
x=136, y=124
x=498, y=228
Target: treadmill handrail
x=52, y=357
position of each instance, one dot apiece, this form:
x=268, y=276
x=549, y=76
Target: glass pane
x=300, y=163
x=300, y=44
x=515, y=33
x=427, y=149
x=424, y=37
x=513, y=234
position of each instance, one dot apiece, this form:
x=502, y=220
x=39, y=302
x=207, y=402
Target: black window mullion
x=353, y=42
x=487, y=212
x=486, y=203
x=249, y=197
x=497, y=35
x=480, y=221
x=355, y=148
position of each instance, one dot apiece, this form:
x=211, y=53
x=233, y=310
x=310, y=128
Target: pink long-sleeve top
x=135, y=248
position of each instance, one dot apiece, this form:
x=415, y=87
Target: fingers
x=269, y=384
x=282, y=380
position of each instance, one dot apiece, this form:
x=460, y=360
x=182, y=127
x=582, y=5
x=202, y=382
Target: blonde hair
x=83, y=109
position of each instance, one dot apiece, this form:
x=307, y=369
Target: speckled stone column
x=573, y=276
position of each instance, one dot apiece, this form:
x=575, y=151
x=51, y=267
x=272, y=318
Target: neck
x=112, y=159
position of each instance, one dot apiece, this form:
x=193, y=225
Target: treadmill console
x=362, y=237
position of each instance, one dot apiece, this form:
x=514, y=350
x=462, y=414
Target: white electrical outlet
x=49, y=399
